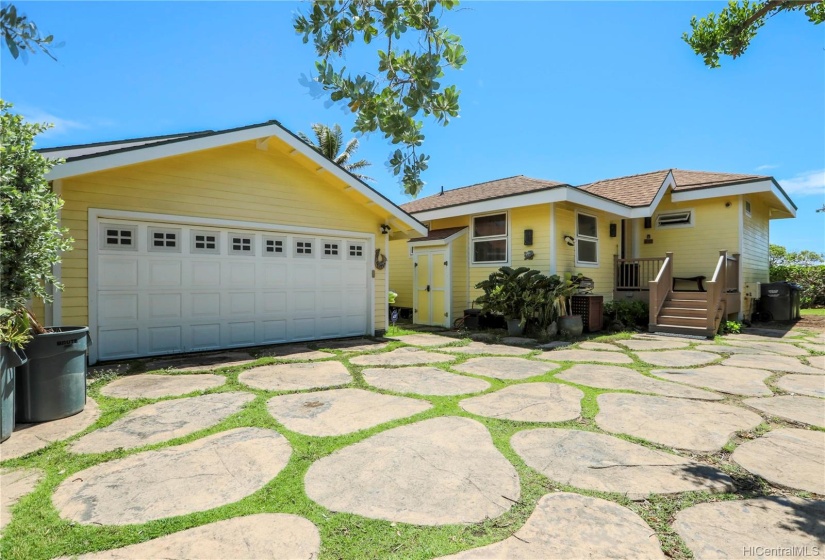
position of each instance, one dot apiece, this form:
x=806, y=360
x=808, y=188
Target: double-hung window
x=587, y=240
x=490, y=238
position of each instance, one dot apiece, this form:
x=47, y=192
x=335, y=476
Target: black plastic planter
x=52, y=384
x=9, y=359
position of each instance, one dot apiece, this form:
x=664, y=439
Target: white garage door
x=164, y=288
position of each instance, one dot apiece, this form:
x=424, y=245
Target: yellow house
x=693, y=244
x=219, y=239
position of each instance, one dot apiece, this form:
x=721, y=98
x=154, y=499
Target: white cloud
x=809, y=182
x=61, y=126
x=766, y=167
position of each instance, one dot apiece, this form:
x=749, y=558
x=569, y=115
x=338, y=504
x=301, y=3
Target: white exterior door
x=160, y=288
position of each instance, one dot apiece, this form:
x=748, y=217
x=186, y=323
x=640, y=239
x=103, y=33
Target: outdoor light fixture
x=528, y=255
x=385, y=229
x=569, y=240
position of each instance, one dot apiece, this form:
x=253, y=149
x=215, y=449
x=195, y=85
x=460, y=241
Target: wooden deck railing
x=660, y=287
x=732, y=273
x=635, y=274
x=717, y=287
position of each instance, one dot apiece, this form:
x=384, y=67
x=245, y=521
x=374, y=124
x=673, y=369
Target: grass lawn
x=818, y=312
x=37, y=532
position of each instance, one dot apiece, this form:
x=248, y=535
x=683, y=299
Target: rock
x=201, y=362
x=616, y=377
x=813, y=347
x=810, y=385
x=586, y=356
x=484, y=348
x=423, y=381
x=296, y=377
x=772, y=362
x=677, y=358
x=162, y=421
x=807, y=410
x=150, y=386
x=603, y=463
x=752, y=528
x=518, y=341
x=425, y=339
x=14, y=484
x=655, y=344
x=725, y=349
x=262, y=535
x=566, y=525
x=683, y=424
x=402, y=357
x=505, y=368
x=555, y=344
x=528, y=402
x=730, y=380
x=786, y=457
x=340, y=411
x=354, y=345
x=27, y=438
x=296, y=353
x=817, y=362
x=436, y=472
x=783, y=348
x=599, y=346
x=197, y=476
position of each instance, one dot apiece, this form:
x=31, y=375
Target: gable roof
x=640, y=190
x=488, y=190
x=89, y=158
x=439, y=234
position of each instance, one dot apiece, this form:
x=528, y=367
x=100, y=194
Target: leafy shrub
x=810, y=277
x=524, y=294
x=730, y=327
x=627, y=313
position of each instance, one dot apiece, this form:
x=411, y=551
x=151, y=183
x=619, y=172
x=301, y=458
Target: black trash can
x=10, y=358
x=52, y=384
x=779, y=301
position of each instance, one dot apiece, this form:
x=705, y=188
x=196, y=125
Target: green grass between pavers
x=819, y=311
x=36, y=530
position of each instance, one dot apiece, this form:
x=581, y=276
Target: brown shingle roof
x=481, y=191
x=439, y=234
x=640, y=190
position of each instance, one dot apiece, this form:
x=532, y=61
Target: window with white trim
x=331, y=249
x=748, y=208
x=118, y=237
x=587, y=240
x=355, y=250
x=303, y=248
x=490, y=238
x=274, y=246
x=241, y=244
x=682, y=218
x=204, y=242
x=164, y=240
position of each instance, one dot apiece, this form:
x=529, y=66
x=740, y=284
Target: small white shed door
x=165, y=288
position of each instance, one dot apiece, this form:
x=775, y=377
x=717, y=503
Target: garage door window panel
x=164, y=240
x=331, y=249
x=241, y=244
x=205, y=242
x=274, y=246
x=304, y=248
x=117, y=237
x=355, y=251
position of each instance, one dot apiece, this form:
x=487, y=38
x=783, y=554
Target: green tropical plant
x=15, y=328
x=627, y=314
x=31, y=239
x=522, y=293
x=329, y=142
x=730, y=327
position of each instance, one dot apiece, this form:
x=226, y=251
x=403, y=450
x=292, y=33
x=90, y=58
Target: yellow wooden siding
x=238, y=182
x=755, y=241
x=695, y=249
x=401, y=272
x=459, y=282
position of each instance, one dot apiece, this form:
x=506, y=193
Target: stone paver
x=296, y=377
x=810, y=385
x=796, y=408
x=727, y=349
x=518, y=340
x=772, y=362
x=296, y=353
x=813, y=347
x=605, y=463
x=730, y=380
x=31, y=437
x=679, y=423
x=425, y=339
x=586, y=356
x=604, y=346
x=423, y=381
x=656, y=344
x=340, y=411
x=783, y=348
x=755, y=333
x=201, y=362
x=354, y=345
x=505, y=368
x=484, y=348
x=617, y=377
x=818, y=362
x=150, y=386
x=162, y=421
x=402, y=357
x=262, y=535
x=566, y=525
x=787, y=457
x=436, y=472
x=677, y=358
x=14, y=484
x=197, y=476
x=555, y=344
x=741, y=528
x=528, y=402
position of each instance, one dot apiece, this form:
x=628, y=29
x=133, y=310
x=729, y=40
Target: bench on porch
x=700, y=287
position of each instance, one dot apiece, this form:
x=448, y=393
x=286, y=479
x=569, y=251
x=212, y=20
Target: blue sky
x=569, y=91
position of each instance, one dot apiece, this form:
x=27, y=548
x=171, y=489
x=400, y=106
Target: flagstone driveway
x=433, y=431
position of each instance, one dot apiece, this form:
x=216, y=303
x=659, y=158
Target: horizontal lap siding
x=238, y=182
x=459, y=283
x=755, y=241
x=602, y=275
x=401, y=272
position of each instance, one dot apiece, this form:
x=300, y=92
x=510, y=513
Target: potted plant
x=569, y=325
x=14, y=333
x=506, y=293
x=52, y=383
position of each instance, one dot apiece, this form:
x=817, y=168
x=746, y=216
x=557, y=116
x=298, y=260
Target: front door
x=431, y=288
